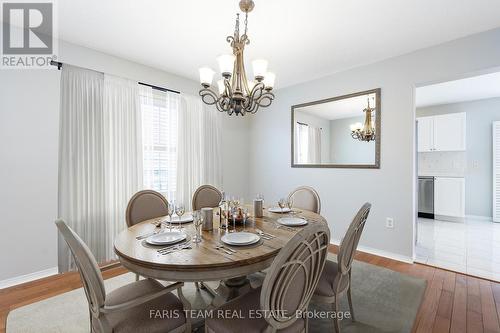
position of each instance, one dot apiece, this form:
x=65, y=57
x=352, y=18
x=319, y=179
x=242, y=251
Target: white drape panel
x=123, y=153
x=314, y=145
x=301, y=143
x=160, y=111
x=99, y=158
x=199, y=158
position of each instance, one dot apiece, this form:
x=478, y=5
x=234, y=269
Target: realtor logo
x=27, y=34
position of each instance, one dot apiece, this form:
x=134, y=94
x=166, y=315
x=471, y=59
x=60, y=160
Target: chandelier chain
x=237, y=25
x=246, y=22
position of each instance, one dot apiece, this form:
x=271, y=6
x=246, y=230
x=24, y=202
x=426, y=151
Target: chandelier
x=364, y=132
x=236, y=94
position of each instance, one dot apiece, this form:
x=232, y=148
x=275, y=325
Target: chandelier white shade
x=226, y=64
x=206, y=75
x=236, y=94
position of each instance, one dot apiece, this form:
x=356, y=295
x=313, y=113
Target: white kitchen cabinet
x=442, y=133
x=449, y=197
x=449, y=132
x=425, y=134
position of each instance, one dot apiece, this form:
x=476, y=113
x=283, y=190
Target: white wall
x=346, y=150
x=391, y=188
x=29, y=125
x=478, y=169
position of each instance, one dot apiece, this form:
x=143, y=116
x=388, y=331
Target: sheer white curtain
x=99, y=157
x=199, y=159
x=314, y=145
x=301, y=143
x=160, y=112
x=123, y=153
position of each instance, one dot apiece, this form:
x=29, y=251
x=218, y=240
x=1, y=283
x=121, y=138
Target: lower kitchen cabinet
x=449, y=198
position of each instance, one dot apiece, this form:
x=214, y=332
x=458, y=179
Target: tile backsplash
x=453, y=163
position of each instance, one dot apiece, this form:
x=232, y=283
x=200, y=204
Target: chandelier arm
x=208, y=96
x=267, y=96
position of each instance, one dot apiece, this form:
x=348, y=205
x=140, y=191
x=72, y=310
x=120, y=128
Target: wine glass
x=170, y=212
x=236, y=202
x=289, y=204
x=245, y=217
x=282, y=204
x=198, y=221
x=180, y=210
x=235, y=216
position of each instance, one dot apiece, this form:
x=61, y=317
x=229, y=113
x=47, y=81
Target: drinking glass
x=245, y=217
x=198, y=221
x=289, y=204
x=282, y=204
x=235, y=216
x=180, y=210
x=237, y=202
x=170, y=212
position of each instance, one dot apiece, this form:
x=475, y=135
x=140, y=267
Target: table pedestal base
x=227, y=290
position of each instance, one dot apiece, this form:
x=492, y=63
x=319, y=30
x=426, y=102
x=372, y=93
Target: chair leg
x=335, y=318
x=137, y=277
x=350, y=303
x=197, y=285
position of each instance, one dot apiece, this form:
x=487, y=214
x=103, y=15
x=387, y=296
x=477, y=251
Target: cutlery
x=185, y=247
x=264, y=234
x=227, y=248
x=218, y=247
x=170, y=247
x=148, y=234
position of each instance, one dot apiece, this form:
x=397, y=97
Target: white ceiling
x=344, y=108
x=301, y=39
x=469, y=89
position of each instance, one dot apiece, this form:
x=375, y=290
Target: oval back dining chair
x=126, y=309
x=145, y=205
x=305, y=197
x=286, y=290
x=206, y=196
x=336, y=277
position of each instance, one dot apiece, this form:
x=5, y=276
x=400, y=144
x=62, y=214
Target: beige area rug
x=384, y=301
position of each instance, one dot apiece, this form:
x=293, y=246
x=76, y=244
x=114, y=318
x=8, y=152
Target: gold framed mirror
x=338, y=132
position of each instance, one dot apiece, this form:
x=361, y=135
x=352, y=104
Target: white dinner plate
x=166, y=238
x=185, y=219
x=278, y=210
x=292, y=221
x=240, y=238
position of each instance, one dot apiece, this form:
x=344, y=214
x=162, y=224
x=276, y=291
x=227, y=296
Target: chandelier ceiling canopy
x=236, y=94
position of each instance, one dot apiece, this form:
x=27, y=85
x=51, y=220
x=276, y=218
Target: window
x=159, y=134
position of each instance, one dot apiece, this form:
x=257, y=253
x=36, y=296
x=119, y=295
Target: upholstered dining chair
x=336, y=277
x=286, y=291
x=305, y=197
x=206, y=196
x=145, y=205
x=128, y=308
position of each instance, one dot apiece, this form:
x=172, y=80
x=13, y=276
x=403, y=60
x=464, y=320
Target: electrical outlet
x=389, y=222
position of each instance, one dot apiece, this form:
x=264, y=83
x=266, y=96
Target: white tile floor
x=471, y=247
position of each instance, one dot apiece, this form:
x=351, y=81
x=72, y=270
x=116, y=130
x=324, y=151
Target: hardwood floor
x=452, y=302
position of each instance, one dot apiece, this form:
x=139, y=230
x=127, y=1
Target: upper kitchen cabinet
x=442, y=133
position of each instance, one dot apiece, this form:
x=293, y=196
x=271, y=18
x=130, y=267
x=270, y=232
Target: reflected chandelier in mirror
x=338, y=132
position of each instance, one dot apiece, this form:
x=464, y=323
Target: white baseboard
x=380, y=253
x=479, y=217
x=28, y=277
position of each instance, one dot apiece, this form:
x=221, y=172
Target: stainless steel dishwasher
x=426, y=197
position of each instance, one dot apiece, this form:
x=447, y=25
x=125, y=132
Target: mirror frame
x=378, y=112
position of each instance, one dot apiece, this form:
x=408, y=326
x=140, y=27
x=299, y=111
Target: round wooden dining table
x=206, y=261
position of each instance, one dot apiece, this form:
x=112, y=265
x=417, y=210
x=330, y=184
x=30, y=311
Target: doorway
x=459, y=175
